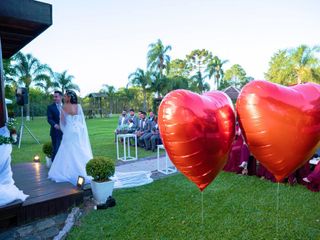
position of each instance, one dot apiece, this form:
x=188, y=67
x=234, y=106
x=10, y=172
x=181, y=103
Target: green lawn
x=101, y=132
x=235, y=207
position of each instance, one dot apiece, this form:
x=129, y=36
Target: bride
x=75, y=149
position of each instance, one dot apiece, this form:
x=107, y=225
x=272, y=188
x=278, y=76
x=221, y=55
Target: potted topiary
x=47, y=150
x=101, y=169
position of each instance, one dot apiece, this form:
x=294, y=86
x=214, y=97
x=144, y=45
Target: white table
x=126, y=147
x=169, y=167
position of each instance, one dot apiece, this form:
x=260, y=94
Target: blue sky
x=103, y=41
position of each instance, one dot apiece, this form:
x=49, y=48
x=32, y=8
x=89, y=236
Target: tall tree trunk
x=144, y=100
x=28, y=105
x=110, y=106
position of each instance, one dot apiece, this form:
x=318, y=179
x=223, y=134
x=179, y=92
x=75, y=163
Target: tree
x=29, y=70
x=198, y=84
x=292, y=66
x=46, y=85
x=214, y=68
x=179, y=68
x=305, y=63
x=197, y=62
x=159, y=83
x=9, y=72
x=177, y=82
x=235, y=76
x=63, y=81
x=157, y=58
x=111, y=93
x=141, y=79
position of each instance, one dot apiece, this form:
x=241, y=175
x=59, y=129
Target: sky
x=103, y=41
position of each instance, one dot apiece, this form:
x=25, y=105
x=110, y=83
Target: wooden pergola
x=21, y=21
x=96, y=104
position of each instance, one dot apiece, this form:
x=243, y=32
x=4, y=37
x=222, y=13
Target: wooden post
x=3, y=114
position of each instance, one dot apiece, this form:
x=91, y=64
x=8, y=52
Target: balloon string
x=201, y=207
x=277, y=212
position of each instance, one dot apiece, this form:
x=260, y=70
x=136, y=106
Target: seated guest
x=151, y=116
x=133, y=117
x=121, y=122
x=312, y=181
x=147, y=131
x=147, y=136
x=155, y=138
x=143, y=126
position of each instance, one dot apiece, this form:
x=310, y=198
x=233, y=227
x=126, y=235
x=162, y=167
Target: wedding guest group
x=241, y=161
x=144, y=126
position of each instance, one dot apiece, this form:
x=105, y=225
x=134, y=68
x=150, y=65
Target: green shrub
x=47, y=149
x=100, y=168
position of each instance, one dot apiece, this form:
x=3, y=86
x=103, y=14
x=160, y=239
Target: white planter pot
x=48, y=162
x=102, y=190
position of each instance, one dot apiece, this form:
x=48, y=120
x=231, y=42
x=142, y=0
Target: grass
x=234, y=207
x=101, y=133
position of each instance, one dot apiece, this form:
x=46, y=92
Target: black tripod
x=22, y=126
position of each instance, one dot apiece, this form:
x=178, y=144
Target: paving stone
x=45, y=224
x=49, y=233
x=60, y=219
x=31, y=238
x=25, y=231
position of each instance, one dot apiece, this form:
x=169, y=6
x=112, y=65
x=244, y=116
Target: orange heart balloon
x=281, y=124
x=197, y=132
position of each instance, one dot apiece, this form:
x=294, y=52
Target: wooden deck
x=45, y=196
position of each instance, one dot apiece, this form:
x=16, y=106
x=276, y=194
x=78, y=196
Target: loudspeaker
x=21, y=96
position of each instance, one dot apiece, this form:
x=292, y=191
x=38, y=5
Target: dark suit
x=53, y=117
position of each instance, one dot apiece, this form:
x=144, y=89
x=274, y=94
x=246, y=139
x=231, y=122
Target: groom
x=53, y=116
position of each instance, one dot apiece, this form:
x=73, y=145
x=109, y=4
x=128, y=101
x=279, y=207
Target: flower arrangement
x=47, y=149
x=11, y=125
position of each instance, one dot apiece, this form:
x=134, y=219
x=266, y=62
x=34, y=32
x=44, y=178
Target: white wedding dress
x=8, y=190
x=74, y=151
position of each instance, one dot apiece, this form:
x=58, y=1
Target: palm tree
x=199, y=85
x=159, y=83
x=28, y=69
x=46, y=85
x=111, y=93
x=64, y=82
x=214, y=68
x=291, y=66
x=9, y=72
x=305, y=62
x=157, y=56
x=141, y=79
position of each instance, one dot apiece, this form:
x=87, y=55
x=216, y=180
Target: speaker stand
x=22, y=126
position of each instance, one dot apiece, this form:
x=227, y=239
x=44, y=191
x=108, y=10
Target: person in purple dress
x=312, y=181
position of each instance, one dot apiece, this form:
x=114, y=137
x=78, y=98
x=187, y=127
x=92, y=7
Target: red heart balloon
x=197, y=132
x=281, y=124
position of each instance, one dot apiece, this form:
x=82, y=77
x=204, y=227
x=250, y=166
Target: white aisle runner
x=134, y=174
